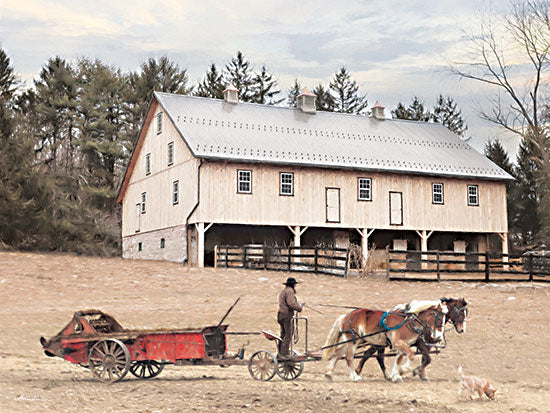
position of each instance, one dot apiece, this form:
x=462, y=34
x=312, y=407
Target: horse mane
x=417, y=306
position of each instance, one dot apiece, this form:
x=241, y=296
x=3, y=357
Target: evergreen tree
x=324, y=100
x=212, y=86
x=415, y=111
x=527, y=220
x=447, y=113
x=160, y=75
x=8, y=78
x=239, y=74
x=496, y=153
x=56, y=101
x=105, y=138
x=264, y=88
x=293, y=93
x=345, y=93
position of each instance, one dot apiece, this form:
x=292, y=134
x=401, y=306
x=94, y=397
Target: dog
x=475, y=385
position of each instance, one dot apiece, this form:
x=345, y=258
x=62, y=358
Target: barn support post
x=365, y=234
x=201, y=230
x=504, y=237
x=297, y=231
x=424, y=236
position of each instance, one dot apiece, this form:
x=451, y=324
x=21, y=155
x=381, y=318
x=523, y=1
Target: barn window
x=244, y=182
x=159, y=122
x=162, y=242
x=140, y=246
x=175, y=192
x=473, y=195
x=437, y=193
x=170, y=153
x=148, y=164
x=364, y=189
x=143, y=201
x=286, y=186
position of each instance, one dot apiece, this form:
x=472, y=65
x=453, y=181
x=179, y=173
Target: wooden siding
x=160, y=212
x=220, y=202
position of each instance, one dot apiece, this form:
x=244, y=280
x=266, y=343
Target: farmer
x=287, y=305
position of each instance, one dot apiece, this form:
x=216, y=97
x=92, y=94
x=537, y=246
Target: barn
x=206, y=172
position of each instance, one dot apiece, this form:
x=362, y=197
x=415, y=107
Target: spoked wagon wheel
x=146, y=369
x=109, y=360
x=290, y=369
x=262, y=365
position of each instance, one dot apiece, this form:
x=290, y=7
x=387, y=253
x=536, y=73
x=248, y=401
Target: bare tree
x=518, y=39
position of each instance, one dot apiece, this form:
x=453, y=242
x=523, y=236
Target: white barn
x=206, y=172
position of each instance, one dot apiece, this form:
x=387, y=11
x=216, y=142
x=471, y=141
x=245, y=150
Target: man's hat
x=291, y=281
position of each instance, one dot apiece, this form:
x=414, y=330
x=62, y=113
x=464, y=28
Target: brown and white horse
x=397, y=329
x=457, y=312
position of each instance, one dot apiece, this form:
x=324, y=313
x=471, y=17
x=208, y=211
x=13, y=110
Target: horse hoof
x=328, y=377
x=423, y=378
x=397, y=379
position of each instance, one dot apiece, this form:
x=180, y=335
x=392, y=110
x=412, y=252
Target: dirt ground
x=507, y=339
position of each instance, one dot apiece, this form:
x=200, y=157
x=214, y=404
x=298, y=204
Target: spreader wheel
x=290, y=369
x=262, y=365
x=146, y=369
x=109, y=360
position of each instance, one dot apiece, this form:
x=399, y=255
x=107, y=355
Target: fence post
x=289, y=257
x=226, y=257
x=437, y=266
x=388, y=261
x=244, y=257
x=346, y=264
x=316, y=259
x=487, y=269
x=530, y=267
x=215, y=256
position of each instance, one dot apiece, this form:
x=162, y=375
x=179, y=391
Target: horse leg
x=337, y=355
x=331, y=364
x=380, y=360
x=426, y=359
x=366, y=355
x=402, y=361
x=350, y=355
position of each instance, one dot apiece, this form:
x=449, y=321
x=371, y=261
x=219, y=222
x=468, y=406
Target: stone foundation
x=175, y=245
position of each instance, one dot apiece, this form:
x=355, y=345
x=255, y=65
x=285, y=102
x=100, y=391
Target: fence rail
x=332, y=261
x=468, y=266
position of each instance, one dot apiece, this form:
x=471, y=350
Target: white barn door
x=396, y=208
x=333, y=204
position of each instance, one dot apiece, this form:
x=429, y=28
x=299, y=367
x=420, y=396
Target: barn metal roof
x=215, y=129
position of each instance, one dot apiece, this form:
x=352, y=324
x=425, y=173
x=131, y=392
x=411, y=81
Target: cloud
x=393, y=49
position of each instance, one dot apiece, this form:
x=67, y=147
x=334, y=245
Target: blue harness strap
x=382, y=323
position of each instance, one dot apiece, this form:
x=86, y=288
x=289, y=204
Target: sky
x=394, y=49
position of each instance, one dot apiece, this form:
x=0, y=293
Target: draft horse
x=457, y=312
x=397, y=329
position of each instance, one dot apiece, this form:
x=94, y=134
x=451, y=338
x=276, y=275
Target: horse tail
x=333, y=338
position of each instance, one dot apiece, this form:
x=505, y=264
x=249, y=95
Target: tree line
x=65, y=142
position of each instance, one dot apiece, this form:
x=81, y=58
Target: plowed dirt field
x=507, y=339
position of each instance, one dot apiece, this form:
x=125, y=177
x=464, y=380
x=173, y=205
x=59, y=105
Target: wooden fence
x=469, y=266
x=332, y=261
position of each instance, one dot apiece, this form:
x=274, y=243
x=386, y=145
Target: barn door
x=138, y=217
x=333, y=204
x=396, y=208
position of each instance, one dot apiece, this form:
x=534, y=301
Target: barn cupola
x=378, y=111
x=306, y=101
x=231, y=94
